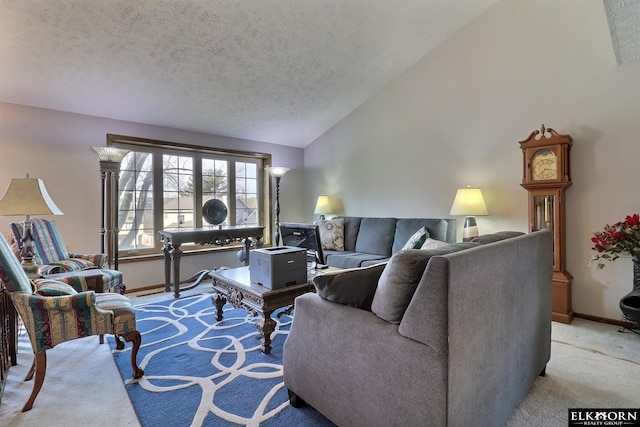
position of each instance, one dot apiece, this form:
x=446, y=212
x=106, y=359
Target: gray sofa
x=450, y=337
x=369, y=241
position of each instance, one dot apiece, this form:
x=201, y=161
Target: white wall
x=54, y=146
x=456, y=118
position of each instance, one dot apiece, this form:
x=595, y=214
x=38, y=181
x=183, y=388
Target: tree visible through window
x=165, y=187
x=135, y=205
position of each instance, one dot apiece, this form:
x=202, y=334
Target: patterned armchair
x=52, y=256
x=51, y=320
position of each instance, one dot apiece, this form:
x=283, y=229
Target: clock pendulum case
x=546, y=176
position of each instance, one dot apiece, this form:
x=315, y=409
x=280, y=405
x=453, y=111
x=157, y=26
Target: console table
x=215, y=235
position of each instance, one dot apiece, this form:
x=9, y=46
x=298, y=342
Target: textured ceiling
x=280, y=71
x=624, y=24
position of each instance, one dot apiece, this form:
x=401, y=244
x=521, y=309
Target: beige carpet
x=592, y=365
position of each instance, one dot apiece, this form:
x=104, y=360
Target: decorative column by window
x=110, y=158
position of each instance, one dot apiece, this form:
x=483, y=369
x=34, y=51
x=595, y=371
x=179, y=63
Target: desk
x=234, y=285
x=173, y=238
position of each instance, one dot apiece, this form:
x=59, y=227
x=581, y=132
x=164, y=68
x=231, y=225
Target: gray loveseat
x=450, y=337
x=370, y=240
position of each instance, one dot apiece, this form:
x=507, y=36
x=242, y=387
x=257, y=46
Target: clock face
x=544, y=165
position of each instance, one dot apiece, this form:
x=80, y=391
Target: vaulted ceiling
x=280, y=71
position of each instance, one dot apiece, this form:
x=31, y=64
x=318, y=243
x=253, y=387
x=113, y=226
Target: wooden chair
x=51, y=320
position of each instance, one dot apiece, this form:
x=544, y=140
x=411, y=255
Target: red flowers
x=621, y=237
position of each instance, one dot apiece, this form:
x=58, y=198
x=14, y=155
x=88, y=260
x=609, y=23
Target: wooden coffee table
x=233, y=285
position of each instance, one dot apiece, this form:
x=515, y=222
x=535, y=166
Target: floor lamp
x=277, y=173
x=109, y=158
x=27, y=196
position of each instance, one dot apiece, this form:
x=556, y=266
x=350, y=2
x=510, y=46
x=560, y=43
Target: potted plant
x=621, y=238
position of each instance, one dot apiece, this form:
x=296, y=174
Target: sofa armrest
x=353, y=287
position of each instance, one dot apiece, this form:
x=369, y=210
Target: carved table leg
x=166, y=250
x=176, y=255
x=219, y=301
x=247, y=250
x=266, y=325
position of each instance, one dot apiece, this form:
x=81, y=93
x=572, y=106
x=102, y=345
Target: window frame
x=158, y=148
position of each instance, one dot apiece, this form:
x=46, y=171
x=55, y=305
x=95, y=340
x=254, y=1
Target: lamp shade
x=469, y=202
x=277, y=171
x=27, y=196
x=323, y=205
x=109, y=154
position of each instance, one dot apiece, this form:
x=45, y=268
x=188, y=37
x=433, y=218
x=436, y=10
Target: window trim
x=167, y=147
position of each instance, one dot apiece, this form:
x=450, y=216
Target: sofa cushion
x=405, y=227
x=500, y=235
x=353, y=287
x=351, y=259
x=417, y=239
x=376, y=236
x=351, y=230
x=332, y=234
x=371, y=262
x=400, y=279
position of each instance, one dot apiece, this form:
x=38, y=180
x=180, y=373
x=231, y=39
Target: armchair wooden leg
x=135, y=339
x=32, y=370
x=40, y=361
x=119, y=342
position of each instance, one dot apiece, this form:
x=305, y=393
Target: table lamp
x=469, y=202
x=27, y=196
x=323, y=206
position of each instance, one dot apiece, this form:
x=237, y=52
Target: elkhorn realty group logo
x=604, y=417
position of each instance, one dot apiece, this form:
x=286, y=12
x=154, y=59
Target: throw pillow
x=354, y=287
x=430, y=243
x=332, y=234
x=398, y=283
x=53, y=288
x=417, y=239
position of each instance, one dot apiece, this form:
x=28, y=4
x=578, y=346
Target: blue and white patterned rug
x=200, y=372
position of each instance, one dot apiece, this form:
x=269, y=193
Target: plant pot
x=630, y=306
x=630, y=303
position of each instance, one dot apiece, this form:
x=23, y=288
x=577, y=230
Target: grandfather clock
x=546, y=176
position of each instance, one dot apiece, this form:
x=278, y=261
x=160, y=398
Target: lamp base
x=26, y=254
x=31, y=269
x=470, y=229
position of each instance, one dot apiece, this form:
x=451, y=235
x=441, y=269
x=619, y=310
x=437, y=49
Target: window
x=164, y=185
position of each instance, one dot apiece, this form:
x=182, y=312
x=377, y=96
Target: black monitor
x=303, y=236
